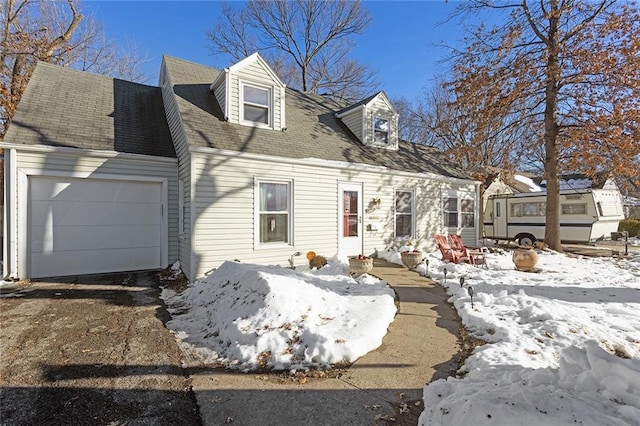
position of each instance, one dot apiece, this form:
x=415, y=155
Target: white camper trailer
x=585, y=215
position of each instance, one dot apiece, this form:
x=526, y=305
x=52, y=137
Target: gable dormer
x=374, y=121
x=251, y=94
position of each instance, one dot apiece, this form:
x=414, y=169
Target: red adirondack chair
x=475, y=254
x=449, y=253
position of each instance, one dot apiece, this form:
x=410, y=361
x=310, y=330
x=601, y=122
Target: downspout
x=9, y=261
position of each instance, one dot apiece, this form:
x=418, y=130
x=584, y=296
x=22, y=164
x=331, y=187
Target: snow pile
x=590, y=387
x=248, y=316
x=564, y=343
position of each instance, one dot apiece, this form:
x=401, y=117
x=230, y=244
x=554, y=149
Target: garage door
x=87, y=226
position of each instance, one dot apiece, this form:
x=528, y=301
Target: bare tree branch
x=311, y=36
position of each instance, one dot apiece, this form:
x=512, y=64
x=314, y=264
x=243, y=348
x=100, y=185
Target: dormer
x=251, y=94
x=374, y=121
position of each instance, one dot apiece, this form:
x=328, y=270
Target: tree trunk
x=551, y=166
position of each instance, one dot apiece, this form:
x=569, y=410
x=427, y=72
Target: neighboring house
x=105, y=175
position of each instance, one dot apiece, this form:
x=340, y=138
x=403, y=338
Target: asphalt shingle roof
x=312, y=129
x=65, y=107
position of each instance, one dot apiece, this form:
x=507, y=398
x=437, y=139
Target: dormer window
x=380, y=130
x=256, y=104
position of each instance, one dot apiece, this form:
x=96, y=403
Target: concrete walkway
x=383, y=387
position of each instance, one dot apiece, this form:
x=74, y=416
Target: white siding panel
x=354, y=122
x=224, y=221
x=256, y=74
x=221, y=95
x=234, y=98
x=181, y=244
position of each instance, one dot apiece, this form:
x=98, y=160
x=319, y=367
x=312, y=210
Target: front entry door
x=350, y=219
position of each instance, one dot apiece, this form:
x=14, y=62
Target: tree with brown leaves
x=481, y=147
x=307, y=42
x=566, y=71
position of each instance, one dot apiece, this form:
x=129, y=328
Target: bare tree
x=307, y=42
x=482, y=147
x=54, y=32
x=568, y=73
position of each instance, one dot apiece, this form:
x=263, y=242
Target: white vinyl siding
x=353, y=121
x=221, y=95
x=78, y=163
x=254, y=74
x=180, y=142
x=225, y=210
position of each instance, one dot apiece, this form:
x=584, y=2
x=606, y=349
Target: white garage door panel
x=99, y=190
x=93, y=262
x=84, y=226
x=69, y=238
x=101, y=214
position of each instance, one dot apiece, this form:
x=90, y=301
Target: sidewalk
x=421, y=346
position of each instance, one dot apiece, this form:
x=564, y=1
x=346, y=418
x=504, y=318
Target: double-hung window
x=256, y=104
x=404, y=214
x=450, y=210
x=458, y=210
x=380, y=130
x=274, y=212
x=467, y=212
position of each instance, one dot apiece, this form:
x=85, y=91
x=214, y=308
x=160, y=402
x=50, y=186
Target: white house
x=105, y=175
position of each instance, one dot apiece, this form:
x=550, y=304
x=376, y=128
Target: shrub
x=630, y=225
x=317, y=262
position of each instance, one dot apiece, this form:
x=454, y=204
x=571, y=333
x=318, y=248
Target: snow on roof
x=527, y=181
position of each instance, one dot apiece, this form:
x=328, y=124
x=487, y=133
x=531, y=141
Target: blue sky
x=401, y=44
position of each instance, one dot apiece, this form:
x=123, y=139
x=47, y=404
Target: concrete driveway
x=94, y=350
x=90, y=351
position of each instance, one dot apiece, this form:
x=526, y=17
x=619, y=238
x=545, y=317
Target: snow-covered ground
x=563, y=343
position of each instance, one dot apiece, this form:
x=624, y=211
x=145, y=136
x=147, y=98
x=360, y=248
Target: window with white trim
x=256, y=104
x=274, y=212
x=459, y=210
x=450, y=211
x=467, y=212
x=380, y=130
x=404, y=214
